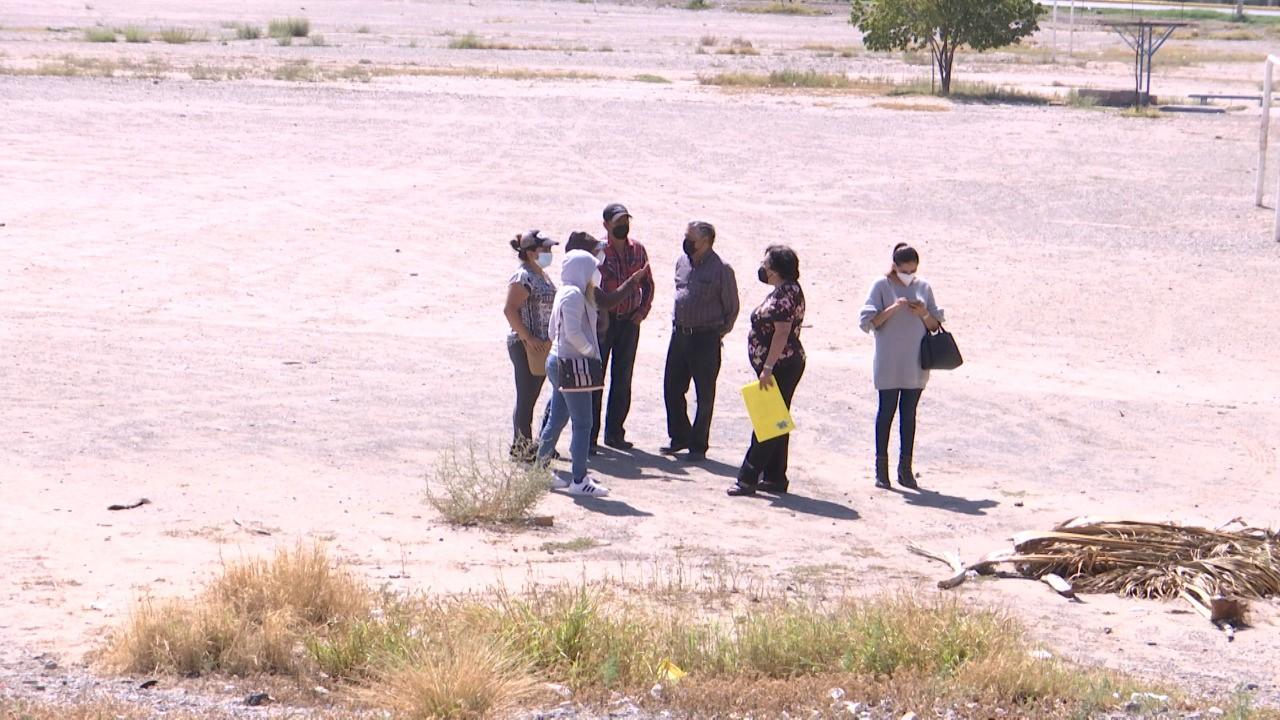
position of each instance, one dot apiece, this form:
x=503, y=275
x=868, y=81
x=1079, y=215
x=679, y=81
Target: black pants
x=906, y=400
x=769, y=458
x=697, y=358
x=528, y=387
x=618, y=346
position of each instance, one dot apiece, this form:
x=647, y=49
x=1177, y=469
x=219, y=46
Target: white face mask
x=596, y=279
x=906, y=278
x=600, y=257
x=544, y=260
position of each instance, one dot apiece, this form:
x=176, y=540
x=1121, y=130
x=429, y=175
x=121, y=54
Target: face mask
x=600, y=257
x=596, y=279
x=620, y=231
x=906, y=278
x=544, y=260
x=763, y=275
x=689, y=248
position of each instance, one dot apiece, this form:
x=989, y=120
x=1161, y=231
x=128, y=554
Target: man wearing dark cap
x=619, y=340
x=706, y=308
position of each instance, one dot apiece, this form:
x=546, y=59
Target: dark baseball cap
x=534, y=239
x=614, y=211
x=584, y=241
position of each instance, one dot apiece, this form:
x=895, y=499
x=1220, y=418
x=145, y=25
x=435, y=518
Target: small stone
x=1041, y=655
x=564, y=692
x=51, y=665
x=852, y=708
x=837, y=694
x=320, y=690
x=1216, y=711
x=909, y=716
x=258, y=699
x=1251, y=687
x=655, y=692
x=148, y=684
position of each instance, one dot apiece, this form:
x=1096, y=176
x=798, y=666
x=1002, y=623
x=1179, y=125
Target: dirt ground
x=268, y=304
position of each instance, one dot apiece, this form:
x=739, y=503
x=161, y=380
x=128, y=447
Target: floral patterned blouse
x=784, y=304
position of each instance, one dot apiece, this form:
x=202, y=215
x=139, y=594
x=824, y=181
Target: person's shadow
x=951, y=503
x=812, y=506
x=610, y=508
x=631, y=464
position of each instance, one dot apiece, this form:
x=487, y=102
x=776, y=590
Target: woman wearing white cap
x=576, y=344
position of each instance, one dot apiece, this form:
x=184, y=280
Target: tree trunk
x=947, y=57
x=1239, y=9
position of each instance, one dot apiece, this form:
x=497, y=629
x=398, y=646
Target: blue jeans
x=566, y=406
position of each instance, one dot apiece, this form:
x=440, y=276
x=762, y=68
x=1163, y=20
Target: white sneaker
x=559, y=482
x=588, y=488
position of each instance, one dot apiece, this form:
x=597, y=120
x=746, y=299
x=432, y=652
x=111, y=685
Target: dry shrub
x=470, y=485
x=475, y=678
x=290, y=27
x=253, y=619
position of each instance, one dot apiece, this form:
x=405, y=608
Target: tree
x=944, y=26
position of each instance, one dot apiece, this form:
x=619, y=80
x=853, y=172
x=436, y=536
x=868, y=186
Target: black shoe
x=695, y=456
x=906, y=478
x=594, y=449
x=555, y=455
x=882, y=473
x=619, y=444
x=673, y=448
x=777, y=488
x=740, y=490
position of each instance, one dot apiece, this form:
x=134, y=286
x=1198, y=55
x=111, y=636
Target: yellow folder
x=769, y=415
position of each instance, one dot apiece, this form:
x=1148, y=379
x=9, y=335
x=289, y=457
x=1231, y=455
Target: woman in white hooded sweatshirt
x=573, y=336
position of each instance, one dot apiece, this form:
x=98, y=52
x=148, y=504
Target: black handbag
x=938, y=351
x=581, y=374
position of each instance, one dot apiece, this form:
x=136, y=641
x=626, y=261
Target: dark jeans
x=697, y=358
x=619, y=344
x=906, y=400
x=769, y=458
x=528, y=387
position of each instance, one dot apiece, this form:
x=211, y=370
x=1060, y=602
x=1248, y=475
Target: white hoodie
x=573, y=319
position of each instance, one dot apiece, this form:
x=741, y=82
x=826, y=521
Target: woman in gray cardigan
x=899, y=310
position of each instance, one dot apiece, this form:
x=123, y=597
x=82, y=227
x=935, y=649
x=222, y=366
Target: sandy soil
x=271, y=303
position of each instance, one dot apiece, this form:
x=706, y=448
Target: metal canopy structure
x=1145, y=38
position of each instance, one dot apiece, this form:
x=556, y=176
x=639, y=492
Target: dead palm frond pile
x=1214, y=570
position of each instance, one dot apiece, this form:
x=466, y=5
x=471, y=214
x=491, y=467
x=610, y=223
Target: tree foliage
x=944, y=26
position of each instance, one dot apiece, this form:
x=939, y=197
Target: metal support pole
x=1071, y=47
x=1263, y=136
x=1053, y=56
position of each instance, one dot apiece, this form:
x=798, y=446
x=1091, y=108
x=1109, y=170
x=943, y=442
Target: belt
x=695, y=331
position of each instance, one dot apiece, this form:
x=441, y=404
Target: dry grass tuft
x=179, y=36
x=250, y=620
x=462, y=679
x=245, y=31
x=291, y=27
x=135, y=34
x=739, y=46
x=791, y=7
x=650, y=78
x=99, y=34
x=469, y=486
x=780, y=79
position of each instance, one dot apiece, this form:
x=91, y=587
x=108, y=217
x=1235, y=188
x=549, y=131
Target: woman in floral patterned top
x=528, y=311
x=777, y=356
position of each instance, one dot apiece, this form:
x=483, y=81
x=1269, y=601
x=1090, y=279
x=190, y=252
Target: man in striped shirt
x=623, y=257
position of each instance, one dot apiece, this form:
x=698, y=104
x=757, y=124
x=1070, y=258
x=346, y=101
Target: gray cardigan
x=897, y=360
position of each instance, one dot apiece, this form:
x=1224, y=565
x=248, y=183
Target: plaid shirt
x=617, y=267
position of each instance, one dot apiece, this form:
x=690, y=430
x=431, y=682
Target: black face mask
x=620, y=231
x=763, y=275
x=689, y=248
